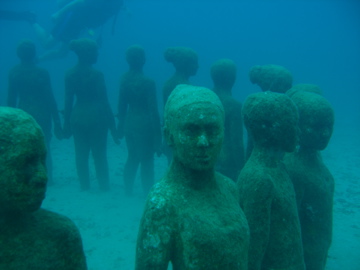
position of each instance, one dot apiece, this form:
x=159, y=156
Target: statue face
x=23, y=175
x=197, y=136
x=316, y=130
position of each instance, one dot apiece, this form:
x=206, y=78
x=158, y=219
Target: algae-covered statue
x=139, y=121
x=185, y=61
x=30, y=237
x=231, y=159
x=91, y=117
x=192, y=217
x=30, y=90
x=313, y=182
x=273, y=78
x=266, y=192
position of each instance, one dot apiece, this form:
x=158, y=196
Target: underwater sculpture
x=271, y=78
x=30, y=237
x=192, y=217
x=266, y=192
x=313, y=88
x=185, y=61
x=139, y=121
x=231, y=159
x=91, y=117
x=30, y=90
x=313, y=182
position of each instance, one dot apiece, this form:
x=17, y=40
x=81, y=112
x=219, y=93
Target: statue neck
x=269, y=156
x=195, y=179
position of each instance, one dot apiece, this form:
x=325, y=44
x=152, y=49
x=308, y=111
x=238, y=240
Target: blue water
x=318, y=41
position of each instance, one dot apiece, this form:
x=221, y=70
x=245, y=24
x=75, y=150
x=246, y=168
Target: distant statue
x=30, y=90
x=231, y=159
x=313, y=182
x=30, y=237
x=273, y=78
x=185, y=61
x=139, y=121
x=266, y=192
x=192, y=217
x=91, y=117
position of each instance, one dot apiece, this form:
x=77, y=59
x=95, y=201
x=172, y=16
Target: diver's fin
x=18, y=16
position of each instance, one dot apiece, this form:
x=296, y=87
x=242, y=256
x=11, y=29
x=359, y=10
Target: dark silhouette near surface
x=139, y=121
x=30, y=237
x=91, y=117
x=231, y=159
x=71, y=20
x=30, y=90
x=266, y=192
x=313, y=182
x=192, y=217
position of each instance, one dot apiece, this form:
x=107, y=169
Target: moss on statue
x=307, y=87
x=192, y=217
x=231, y=159
x=266, y=192
x=185, y=61
x=271, y=78
x=313, y=182
x=30, y=237
x=139, y=121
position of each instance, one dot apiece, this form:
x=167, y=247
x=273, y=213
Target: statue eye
x=192, y=130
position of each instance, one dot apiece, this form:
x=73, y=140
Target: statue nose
x=203, y=140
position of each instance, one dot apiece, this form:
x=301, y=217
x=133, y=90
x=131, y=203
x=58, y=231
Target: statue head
x=194, y=126
x=86, y=50
x=304, y=87
x=26, y=51
x=223, y=74
x=22, y=162
x=272, y=120
x=271, y=78
x=185, y=60
x=135, y=56
x=316, y=119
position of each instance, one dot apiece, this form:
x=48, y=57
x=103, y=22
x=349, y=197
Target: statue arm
x=154, y=244
x=50, y=99
x=73, y=249
x=122, y=110
x=69, y=101
x=155, y=117
x=257, y=208
x=237, y=139
x=105, y=100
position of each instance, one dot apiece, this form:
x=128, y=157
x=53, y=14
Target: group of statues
x=217, y=206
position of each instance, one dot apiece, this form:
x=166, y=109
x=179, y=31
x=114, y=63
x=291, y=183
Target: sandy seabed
x=108, y=221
